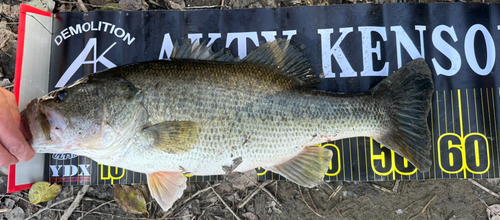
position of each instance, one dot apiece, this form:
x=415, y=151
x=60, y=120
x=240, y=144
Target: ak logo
x=111, y=173
x=90, y=50
x=463, y=152
x=384, y=161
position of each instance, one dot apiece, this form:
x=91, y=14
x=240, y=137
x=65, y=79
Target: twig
x=155, y=4
x=188, y=199
x=425, y=207
x=95, y=6
x=207, y=7
x=81, y=6
x=95, y=209
x=312, y=201
x=485, y=189
x=487, y=206
x=116, y=216
x=202, y=213
x=270, y=195
x=46, y=208
x=255, y=191
x=220, y=198
x=337, y=190
x=383, y=189
x=5, y=210
x=97, y=200
x=21, y=198
x=75, y=203
x=308, y=204
x=265, y=190
x=396, y=186
x=339, y=213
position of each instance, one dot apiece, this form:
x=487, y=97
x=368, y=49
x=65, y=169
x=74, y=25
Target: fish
x=202, y=111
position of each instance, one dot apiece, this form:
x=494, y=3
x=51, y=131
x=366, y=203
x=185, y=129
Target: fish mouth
x=45, y=127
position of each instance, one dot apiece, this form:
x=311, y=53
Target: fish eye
x=60, y=95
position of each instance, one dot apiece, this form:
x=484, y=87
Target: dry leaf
x=43, y=192
x=250, y=216
x=129, y=199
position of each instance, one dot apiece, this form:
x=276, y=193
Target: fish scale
x=260, y=119
x=209, y=114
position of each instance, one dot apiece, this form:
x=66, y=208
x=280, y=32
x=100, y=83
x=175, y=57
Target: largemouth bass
x=202, y=111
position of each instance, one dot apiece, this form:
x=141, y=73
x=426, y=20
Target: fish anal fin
x=166, y=187
x=173, y=137
x=307, y=168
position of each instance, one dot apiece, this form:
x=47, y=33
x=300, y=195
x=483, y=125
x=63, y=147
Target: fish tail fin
x=307, y=168
x=409, y=92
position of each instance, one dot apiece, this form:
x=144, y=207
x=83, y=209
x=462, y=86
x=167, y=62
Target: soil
x=430, y=199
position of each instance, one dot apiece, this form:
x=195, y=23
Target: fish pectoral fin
x=308, y=168
x=173, y=137
x=166, y=187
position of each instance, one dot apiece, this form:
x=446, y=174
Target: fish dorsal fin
x=286, y=59
x=306, y=169
x=173, y=137
x=279, y=56
x=197, y=51
x=166, y=187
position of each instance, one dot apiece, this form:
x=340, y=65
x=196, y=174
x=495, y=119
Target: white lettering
x=120, y=35
x=65, y=33
x=127, y=38
x=84, y=169
x=446, y=49
x=106, y=24
x=327, y=52
x=166, y=47
x=55, y=170
x=86, y=27
x=271, y=35
x=70, y=170
x=368, y=51
x=402, y=39
x=76, y=30
x=242, y=42
x=92, y=26
x=58, y=40
x=470, y=52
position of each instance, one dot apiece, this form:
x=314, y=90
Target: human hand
x=13, y=145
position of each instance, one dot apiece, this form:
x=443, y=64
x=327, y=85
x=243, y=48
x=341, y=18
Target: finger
x=11, y=102
x=14, y=141
x=6, y=159
x=11, y=137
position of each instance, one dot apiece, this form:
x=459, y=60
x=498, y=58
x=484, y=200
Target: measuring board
x=354, y=53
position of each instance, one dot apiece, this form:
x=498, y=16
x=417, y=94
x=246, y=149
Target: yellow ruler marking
x=453, y=110
x=482, y=110
x=489, y=120
x=495, y=120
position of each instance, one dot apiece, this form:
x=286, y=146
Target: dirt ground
x=430, y=199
